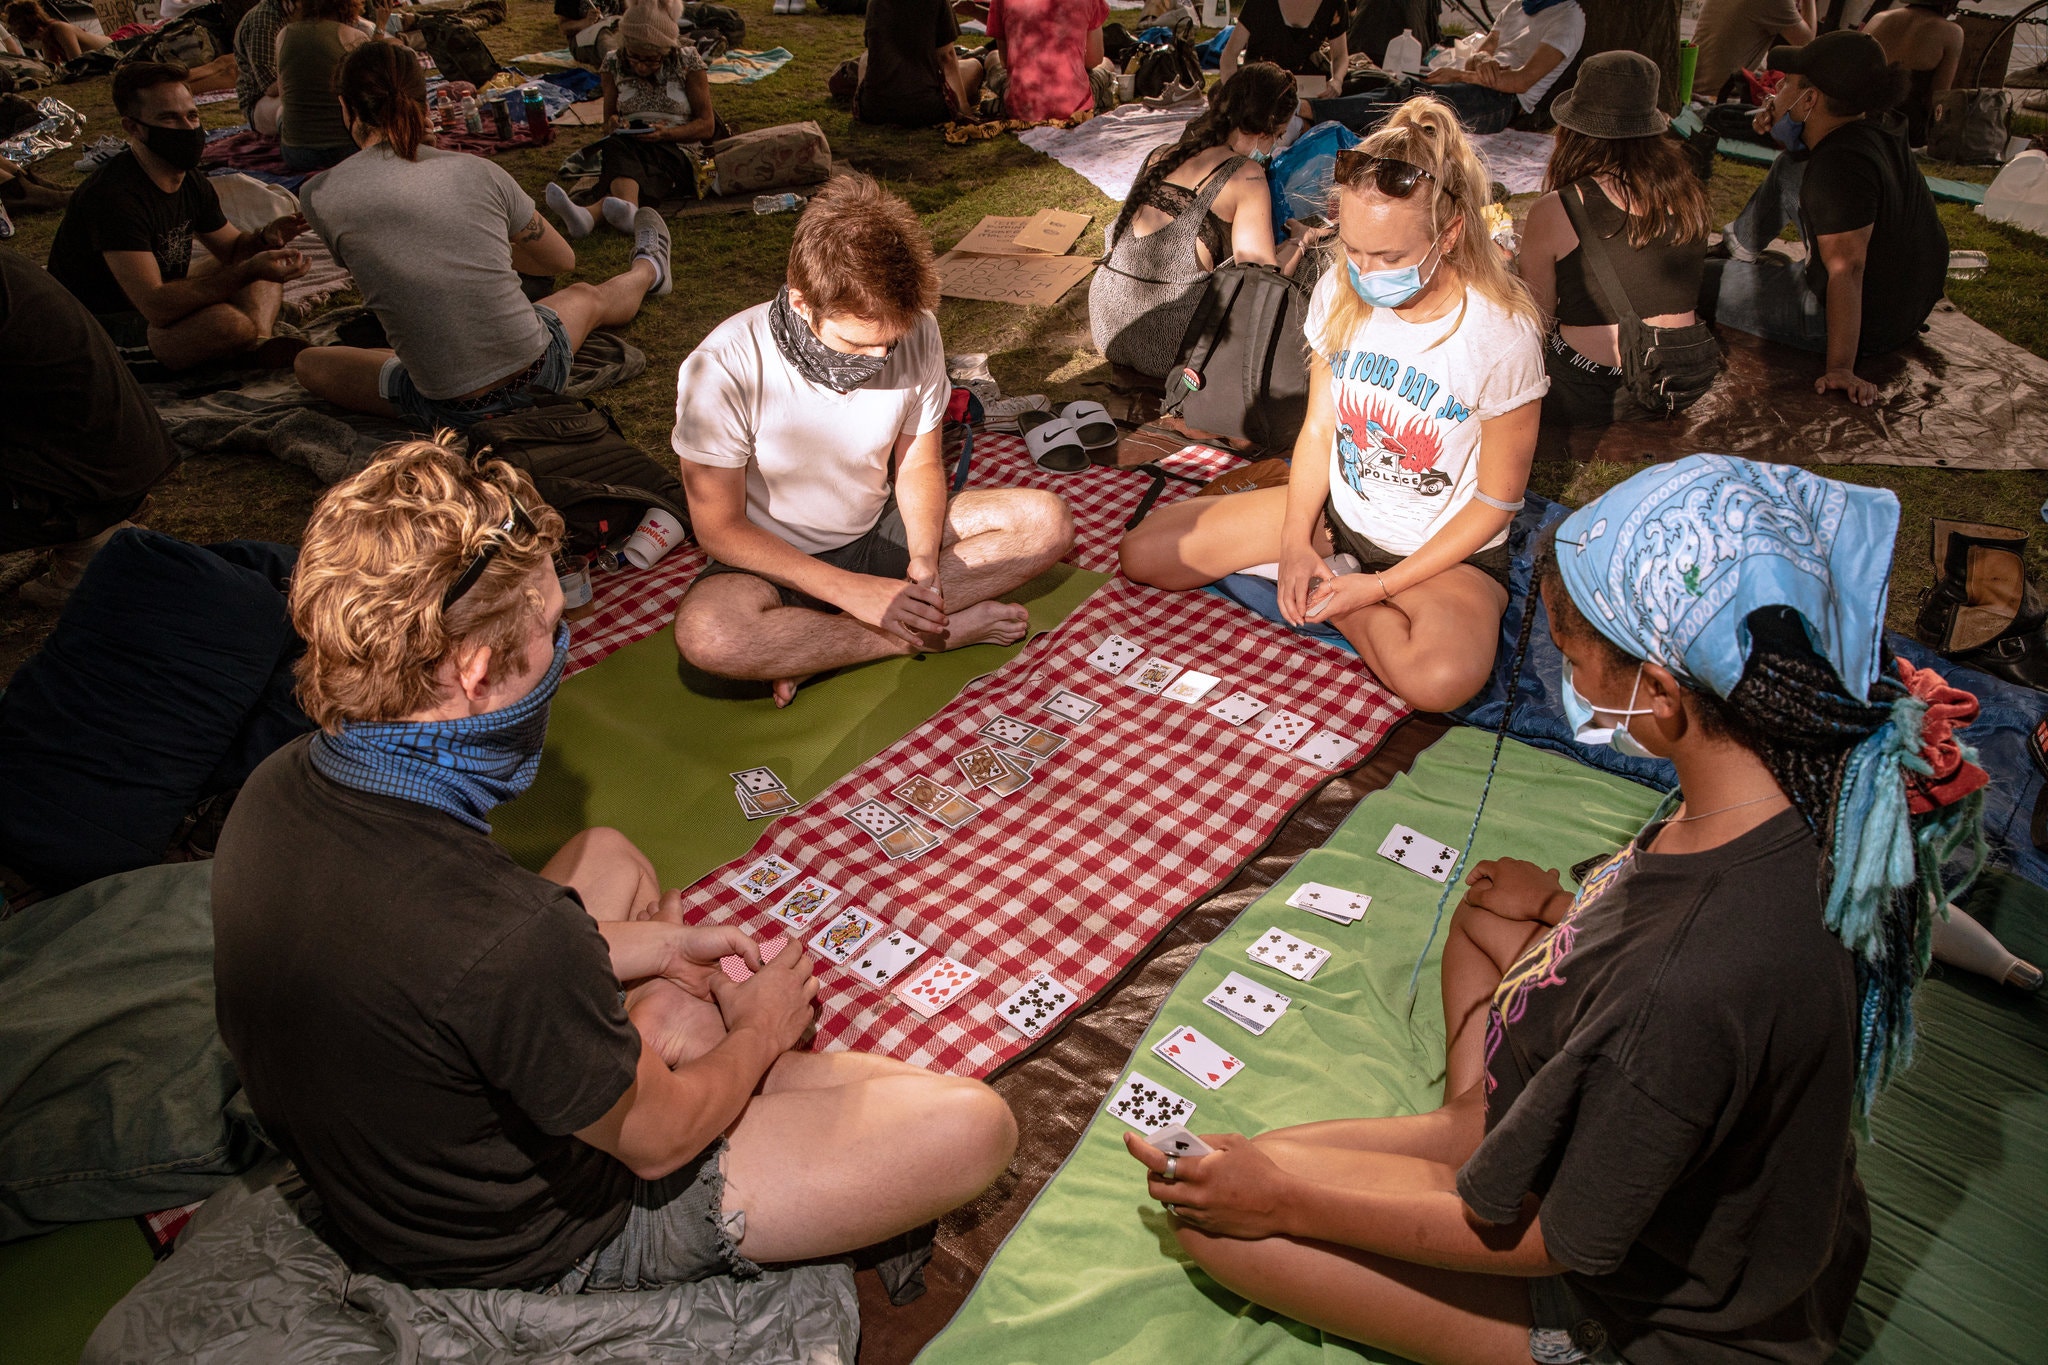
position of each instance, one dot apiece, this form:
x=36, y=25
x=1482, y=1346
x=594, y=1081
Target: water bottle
x=537, y=117
x=1404, y=54
x=777, y=203
x=472, y=117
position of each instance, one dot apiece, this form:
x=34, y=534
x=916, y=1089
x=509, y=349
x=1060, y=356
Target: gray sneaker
x=650, y=239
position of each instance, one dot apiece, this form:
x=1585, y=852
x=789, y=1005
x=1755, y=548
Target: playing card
x=981, y=765
x=1032, y=1010
x=758, y=780
x=843, y=937
x=803, y=903
x=937, y=986
x=908, y=841
x=1067, y=706
x=1419, y=853
x=874, y=817
x=1008, y=730
x=1153, y=675
x=1329, y=750
x=1186, y=1050
x=943, y=804
x=1013, y=776
x=1041, y=743
x=1114, y=655
x=1191, y=686
x=1283, y=730
x=1284, y=952
x=762, y=876
x=1245, y=1002
x=773, y=801
x=1237, y=708
x=883, y=957
x=1331, y=902
x=1148, y=1106
x=735, y=967
x=1174, y=1140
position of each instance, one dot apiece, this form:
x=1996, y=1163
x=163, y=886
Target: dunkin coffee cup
x=657, y=534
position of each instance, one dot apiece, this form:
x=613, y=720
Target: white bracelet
x=1497, y=504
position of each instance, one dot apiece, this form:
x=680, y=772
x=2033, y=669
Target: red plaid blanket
x=632, y=606
x=1148, y=806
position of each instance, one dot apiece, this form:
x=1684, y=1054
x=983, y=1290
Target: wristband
x=1497, y=504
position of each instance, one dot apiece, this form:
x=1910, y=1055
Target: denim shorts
x=1563, y=1333
x=544, y=378
x=678, y=1230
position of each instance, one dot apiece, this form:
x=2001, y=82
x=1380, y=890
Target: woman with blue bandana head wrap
x=1645, y=1151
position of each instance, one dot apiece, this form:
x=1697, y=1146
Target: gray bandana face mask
x=814, y=360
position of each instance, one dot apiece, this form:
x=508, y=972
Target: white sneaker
x=651, y=240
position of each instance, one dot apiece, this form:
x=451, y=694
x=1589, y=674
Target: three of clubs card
x=1148, y=1106
x=1032, y=1010
x=1283, y=952
x=1419, y=853
x=1237, y=708
x=1201, y=1060
x=1067, y=706
x=1114, y=655
x=1333, y=903
x=1329, y=751
x=1248, y=1004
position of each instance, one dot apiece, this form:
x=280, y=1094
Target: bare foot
x=676, y=1024
x=785, y=690
x=987, y=623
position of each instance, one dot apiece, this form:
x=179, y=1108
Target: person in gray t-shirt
x=437, y=242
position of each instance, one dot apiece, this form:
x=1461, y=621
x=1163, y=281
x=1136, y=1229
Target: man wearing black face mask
x=125, y=246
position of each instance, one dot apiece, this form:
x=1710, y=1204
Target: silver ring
x=1173, y=1210
x=1172, y=1169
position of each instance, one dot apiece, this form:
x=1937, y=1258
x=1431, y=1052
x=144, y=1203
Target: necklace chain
x=1718, y=810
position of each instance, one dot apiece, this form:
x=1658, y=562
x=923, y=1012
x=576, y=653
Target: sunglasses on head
x=1395, y=179
x=464, y=581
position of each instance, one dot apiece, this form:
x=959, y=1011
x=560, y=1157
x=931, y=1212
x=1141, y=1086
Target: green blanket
x=1093, y=1273
x=630, y=746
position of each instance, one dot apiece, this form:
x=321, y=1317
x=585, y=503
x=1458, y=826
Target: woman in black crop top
x=1291, y=34
x=1651, y=213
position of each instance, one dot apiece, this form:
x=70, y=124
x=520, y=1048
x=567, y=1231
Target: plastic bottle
x=472, y=117
x=1404, y=54
x=777, y=203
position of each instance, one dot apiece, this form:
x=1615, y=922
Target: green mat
x=631, y=747
x=1093, y=1272
x=1954, y=191
x=54, y=1290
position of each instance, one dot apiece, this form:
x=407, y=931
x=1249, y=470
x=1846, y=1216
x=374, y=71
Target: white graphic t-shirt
x=1410, y=398
x=1561, y=26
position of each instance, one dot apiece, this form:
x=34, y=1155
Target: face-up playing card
x=1333, y=903
x=980, y=765
x=1284, y=952
x=1008, y=730
x=1114, y=655
x=937, y=986
x=758, y=779
x=735, y=967
x=1329, y=750
x=1186, y=1050
x=1148, y=1106
x=882, y=958
x=1067, y=706
x=1153, y=675
x=1248, y=1003
x=1175, y=1140
x=1419, y=853
x=908, y=841
x=762, y=876
x=1014, y=775
x=1237, y=708
x=1032, y=1010
x=1283, y=730
x=843, y=937
x=943, y=804
x=1191, y=687
x=804, y=903
x=874, y=817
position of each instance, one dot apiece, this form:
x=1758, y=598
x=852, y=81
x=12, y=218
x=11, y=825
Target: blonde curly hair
x=381, y=551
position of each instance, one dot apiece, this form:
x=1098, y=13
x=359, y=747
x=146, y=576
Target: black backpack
x=457, y=51
x=722, y=19
x=1243, y=370
x=1163, y=64
x=580, y=463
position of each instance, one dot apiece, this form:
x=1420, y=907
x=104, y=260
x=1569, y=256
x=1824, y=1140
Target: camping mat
x=1958, y=1263
x=1960, y=397
x=1109, y=149
x=1755, y=154
x=744, y=68
x=55, y=1289
x=1516, y=159
x=1146, y=807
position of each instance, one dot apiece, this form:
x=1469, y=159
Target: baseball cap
x=1844, y=65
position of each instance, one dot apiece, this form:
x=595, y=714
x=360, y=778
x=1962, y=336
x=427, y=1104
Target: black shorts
x=1493, y=563
x=884, y=552
x=130, y=333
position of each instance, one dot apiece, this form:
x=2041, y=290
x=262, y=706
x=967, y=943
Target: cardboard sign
x=994, y=236
x=1035, y=280
x=1052, y=230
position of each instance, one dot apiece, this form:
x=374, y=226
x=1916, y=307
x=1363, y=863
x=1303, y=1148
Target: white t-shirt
x=1561, y=26
x=1410, y=398
x=817, y=462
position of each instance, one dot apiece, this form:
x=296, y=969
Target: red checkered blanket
x=632, y=606
x=1148, y=806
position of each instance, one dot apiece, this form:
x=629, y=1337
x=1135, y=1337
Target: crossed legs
x=220, y=329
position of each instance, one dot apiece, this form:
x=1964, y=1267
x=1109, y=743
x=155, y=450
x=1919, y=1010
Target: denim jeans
x=1479, y=108
x=1767, y=296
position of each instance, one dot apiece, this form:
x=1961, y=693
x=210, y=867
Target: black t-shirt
x=77, y=424
x=1863, y=175
x=1270, y=38
x=1670, y=1070
x=119, y=208
x=905, y=83
x=421, y=1025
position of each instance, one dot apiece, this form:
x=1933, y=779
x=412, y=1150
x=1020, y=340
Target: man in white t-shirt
x=808, y=430
x=1530, y=46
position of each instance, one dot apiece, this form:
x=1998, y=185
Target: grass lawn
x=724, y=264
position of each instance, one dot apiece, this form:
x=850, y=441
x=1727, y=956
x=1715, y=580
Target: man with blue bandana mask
x=500, y=1079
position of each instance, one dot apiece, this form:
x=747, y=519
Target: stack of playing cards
x=1191, y=686
x=1329, y=750
x=940, y=802
x=1114, y=655
x=760, y=878
x=883, y=957
x=1019, y=735
x=1332, y=903
x=937, y=986
x=1067, y=706
x=1244, y=1001
x=1283, y=730
x=899, y=838
x=1148, y=1106
x=1202, y=1061
x=735, y=966
x=1153, y=675
x=805, y=901
x=1032, y=1010
x=988, y=768
x=1419, y=853
x=762, y=794
x=1282, y=951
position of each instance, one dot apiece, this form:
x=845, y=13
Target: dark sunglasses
x=466, y=580
x=1394, y=179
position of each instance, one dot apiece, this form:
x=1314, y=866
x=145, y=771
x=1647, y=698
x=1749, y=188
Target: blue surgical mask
x=1260, y=158
x=1586, y=730
x=1789, y=132
x=1390, y=288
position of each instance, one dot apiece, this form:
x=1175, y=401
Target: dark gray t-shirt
x=430, y=245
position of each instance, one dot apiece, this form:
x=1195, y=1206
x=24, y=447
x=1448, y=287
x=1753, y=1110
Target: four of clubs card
x=1419, y=853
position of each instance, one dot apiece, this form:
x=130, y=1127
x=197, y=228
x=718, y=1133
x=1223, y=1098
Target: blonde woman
x=1425, y=383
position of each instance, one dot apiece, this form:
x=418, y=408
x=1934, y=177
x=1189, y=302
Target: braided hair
x=1259, y=100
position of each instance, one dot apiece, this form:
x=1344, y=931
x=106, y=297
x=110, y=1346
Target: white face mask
x=1582, y=714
